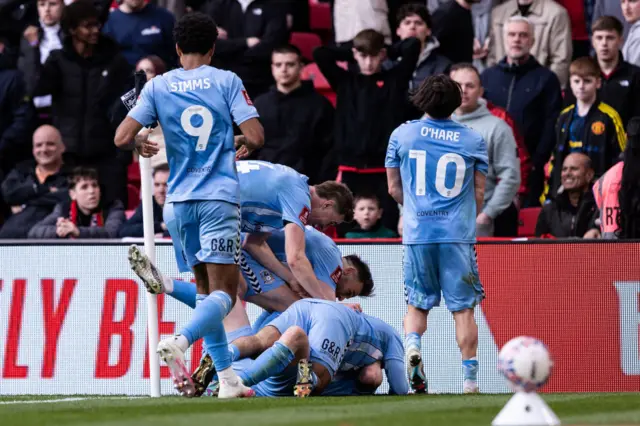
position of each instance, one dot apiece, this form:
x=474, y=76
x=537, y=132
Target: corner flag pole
x=150, y=251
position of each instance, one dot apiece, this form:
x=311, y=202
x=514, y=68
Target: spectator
x=351, y=17
x=631, y=48
x=34, y=187
x=133, y=227
x=370, y=105
x=38, y=42
x=573, y=212
x=85, y=215
x=550, y=33
x=414, y=21
x=16, y=116
x=580, y=16
x=620, y=87
x=152, y=66
x=481, y=13
x=503, y=177
x=249, y=31
x=531, y=95
x=142, y=29
x=368, y=214
x=610, y=8
x=588, y=126
x=617, y=192
x=85, y=78
x=298, y=121
x=453, y=27
x=524, y=158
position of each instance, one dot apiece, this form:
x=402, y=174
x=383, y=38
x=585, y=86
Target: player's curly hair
x=195, y=33
x=438, y=96
x=340, y=194
x=364, y=274
x=628, y=219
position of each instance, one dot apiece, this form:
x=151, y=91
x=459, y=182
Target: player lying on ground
x=346, y=277
x=277, y=197
x=375, y=346
x=196, y=106
x=330, y=326
x=436, y=168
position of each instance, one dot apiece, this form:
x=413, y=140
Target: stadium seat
x=133, y=174
x=306, y=42
x=312, y=72
x=133, y=195
x=319, y=15
x=527, y=220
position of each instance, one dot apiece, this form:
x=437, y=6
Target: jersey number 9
x=441, y=172
x=203, y=132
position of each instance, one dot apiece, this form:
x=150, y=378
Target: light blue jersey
x=437, y=160
x=195, y=109
x=272, y=195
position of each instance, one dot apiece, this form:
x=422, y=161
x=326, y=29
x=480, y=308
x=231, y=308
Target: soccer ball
x=526, y=363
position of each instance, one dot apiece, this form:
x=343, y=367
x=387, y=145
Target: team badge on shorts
x=267, y=278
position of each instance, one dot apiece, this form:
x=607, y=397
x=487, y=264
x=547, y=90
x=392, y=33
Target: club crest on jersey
x=304, y=215
x=247, y=98
x=336, y=275
x=266, y=276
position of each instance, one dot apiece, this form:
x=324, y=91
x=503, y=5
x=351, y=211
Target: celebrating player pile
x=436, y=168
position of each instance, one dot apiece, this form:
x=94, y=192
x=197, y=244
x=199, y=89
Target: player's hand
x=144, y=146
x=31, y=35
x=483, y=219
x=252, y=41
x=222, y=33
x=592, y=234
x=16, y=209
x=354, y=306
x=242, y=151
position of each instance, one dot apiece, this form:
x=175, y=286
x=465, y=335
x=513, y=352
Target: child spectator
x=83, y=216
x=588, y=126
x=367, y=214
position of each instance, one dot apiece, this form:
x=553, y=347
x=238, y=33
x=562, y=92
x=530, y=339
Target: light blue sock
x=207, y=322
x=241, y=332
x=272, y=361
x=412, y=340
x=234, y=352
x=470, y=369
x=184, y=292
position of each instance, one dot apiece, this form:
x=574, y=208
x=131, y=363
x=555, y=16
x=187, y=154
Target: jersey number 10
x=203, y=132
x=441, y=172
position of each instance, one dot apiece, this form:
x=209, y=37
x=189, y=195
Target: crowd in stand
x=551, y=85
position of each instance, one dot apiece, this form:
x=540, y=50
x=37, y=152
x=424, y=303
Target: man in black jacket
x=134, y=226
x=34, y=188
x=298, y=121
x=370, y=105
x=573, y=212
x=85, y=78
x=531, y=95
x=248, y=32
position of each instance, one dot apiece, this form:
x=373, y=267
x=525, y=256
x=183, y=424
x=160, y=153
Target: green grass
x=573, y=409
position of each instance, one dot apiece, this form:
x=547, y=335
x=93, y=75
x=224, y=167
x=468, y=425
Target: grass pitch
x=459, y=410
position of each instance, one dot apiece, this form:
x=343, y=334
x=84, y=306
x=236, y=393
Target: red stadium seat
x=133, y=174
x=319, y=15
x=527, y=221
x=306, y=42
x=312, y=72
x=133, y=194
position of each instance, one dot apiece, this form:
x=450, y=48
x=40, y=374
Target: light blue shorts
x=204, y=232
x=327, y=336
x=276, y=386
x=449, y=269
x=264, y=319
x=259, y=279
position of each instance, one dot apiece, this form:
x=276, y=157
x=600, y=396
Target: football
x=526, y=363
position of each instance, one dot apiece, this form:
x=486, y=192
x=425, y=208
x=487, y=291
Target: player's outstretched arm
x=394, y=183
x=126, y=138
x=294, y=245
x=256, y=245
x=253, y=133
x=396, y=376
x=479, y=182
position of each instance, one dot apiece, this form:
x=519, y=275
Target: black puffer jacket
x=562, y=220
x=83, y=90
